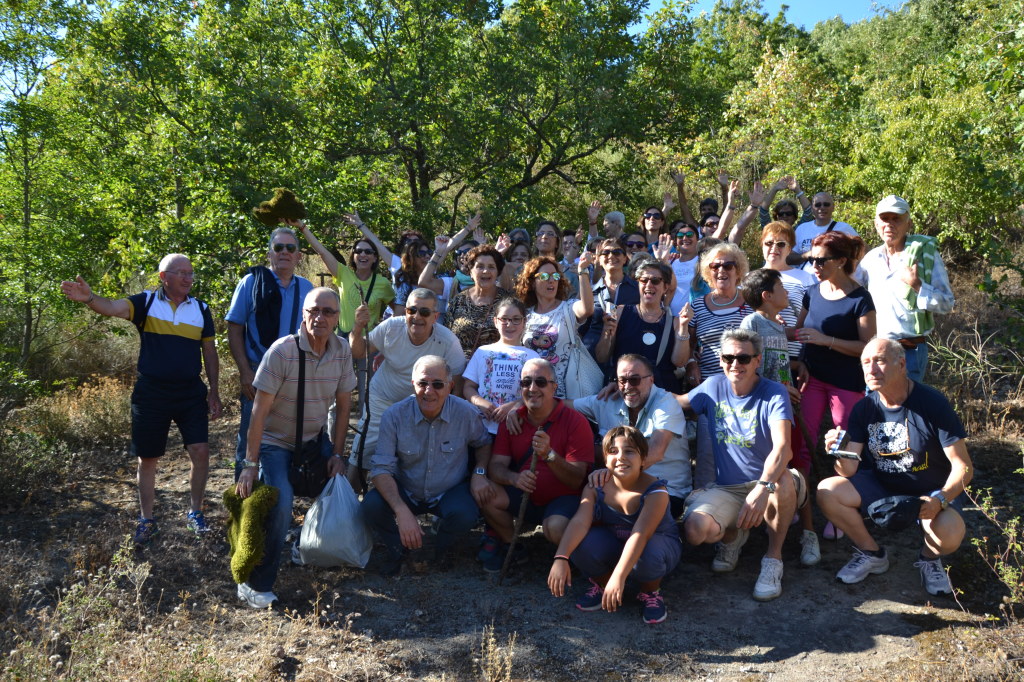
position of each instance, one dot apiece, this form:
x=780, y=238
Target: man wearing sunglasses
x=419, y=466
x=563, y=444
x=265, y=307
x=751, y=419
x=823, y=206
x=912, y=443
x=656, y=413
x=402, y=341
x=271, y=440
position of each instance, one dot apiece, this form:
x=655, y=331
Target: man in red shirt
x=563, y=444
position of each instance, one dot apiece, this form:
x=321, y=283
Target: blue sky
x=809, y=12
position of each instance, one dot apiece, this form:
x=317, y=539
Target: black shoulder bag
x=308, y=471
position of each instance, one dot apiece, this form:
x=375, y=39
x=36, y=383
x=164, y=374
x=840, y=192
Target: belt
x=913, y=341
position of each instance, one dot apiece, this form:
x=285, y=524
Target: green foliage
x=31, y=464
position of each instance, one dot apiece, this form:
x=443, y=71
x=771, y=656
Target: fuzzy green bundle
x=283, y=206
x=247, y=530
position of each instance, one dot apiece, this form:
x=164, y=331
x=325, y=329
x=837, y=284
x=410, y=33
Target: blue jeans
x=917, y=361
x=599, y=553
x=242, y=441
x=456, y=510
x=274, y=464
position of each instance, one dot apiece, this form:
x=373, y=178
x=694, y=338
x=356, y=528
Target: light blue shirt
x=243, y=311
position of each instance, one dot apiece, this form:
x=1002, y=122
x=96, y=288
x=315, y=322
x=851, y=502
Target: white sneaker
x=934, y=577
x=769, y=583
x=728, y=553
x=810, y=552
x=256, y=600
x=861, y=565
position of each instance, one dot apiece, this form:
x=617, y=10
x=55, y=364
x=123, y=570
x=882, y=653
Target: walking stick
x=365, y=397
x=519, y=519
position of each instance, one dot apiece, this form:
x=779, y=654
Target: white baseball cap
x=892, y=204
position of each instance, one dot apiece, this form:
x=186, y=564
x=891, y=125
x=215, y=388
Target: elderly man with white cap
x=908, y=283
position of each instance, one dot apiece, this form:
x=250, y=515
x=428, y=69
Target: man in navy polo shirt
x=266, y=305
x=176, y=341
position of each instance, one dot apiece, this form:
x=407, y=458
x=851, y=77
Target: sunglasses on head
x=653, y=280
x=686, y=235
x=291, y=248
x=326, y=312
x=728, y=265
x=423, y=312
x=636, y=245
x=437, y=384
x=657, y=216
x=632, y=380
x=769, y=244
x=545, y=276
x=818, y=261
x=612, y=252
x=742, y=358
x=364, y=252
x=542, y=382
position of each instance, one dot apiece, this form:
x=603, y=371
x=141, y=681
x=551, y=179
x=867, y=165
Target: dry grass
x=96, y=413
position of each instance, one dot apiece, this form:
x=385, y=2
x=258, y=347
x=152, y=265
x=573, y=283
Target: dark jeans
x=456, y=510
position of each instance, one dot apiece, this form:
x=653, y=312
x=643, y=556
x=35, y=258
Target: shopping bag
x=334, y=532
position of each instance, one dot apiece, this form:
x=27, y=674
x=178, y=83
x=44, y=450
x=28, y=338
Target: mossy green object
x=247, y=529
x=283, y=206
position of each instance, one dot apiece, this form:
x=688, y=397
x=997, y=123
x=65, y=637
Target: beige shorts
x=723, y=503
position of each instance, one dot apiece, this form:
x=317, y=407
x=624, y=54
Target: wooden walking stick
x=365, y=397
x=519, y=519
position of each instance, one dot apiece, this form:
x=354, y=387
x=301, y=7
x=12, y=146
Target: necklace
x=657, y=313
x=729, y=302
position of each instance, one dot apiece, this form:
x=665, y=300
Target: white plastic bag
x=334, y=532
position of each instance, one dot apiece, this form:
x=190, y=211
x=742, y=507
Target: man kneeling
x=751, y=419
x=915, y=447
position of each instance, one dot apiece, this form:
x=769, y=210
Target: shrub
x=97, y=413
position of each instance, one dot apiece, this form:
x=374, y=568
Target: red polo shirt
x=571, y=438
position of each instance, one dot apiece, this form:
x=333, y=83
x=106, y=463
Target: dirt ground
x=352, y=624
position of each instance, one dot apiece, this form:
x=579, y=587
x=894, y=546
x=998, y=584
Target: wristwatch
x=551, y=456
x=480, y=471
x=937, y=494
x=247, y=464
x=769, y=486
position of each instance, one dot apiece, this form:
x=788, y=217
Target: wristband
x=562, y=557
x=92, y=295
x=799, y=194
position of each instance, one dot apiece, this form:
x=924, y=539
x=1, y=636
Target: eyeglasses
x=653, y=280
x=728, y=265
x=742, y=358
x=545, y=276
x=542, y=382
x=292, y=248
x=685, y=235
x=636, y=245
x=822, y=204
x=424, y=253
x=770, y=244
x=436, y=384
x=423, y=312
x=326, y=312
x=510, y=320
x=542, y=235
x=185, y=274
x=632, y=380
x=612, y=252
x=656, y=216
x=364, y=252
x=820, y=260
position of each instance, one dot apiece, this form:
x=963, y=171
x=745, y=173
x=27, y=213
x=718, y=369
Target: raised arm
x=756, y=199
x=593, y=213
x=330, y=262
x=584, y=307
x=723, y=186
x=684, y=204
x=81, y=292
x=354, y=219
x=729, y=213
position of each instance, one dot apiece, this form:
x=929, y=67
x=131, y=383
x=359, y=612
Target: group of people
x=502, y=414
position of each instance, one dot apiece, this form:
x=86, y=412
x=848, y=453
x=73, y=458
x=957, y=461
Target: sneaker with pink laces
x=591, y=599
x=653, y=607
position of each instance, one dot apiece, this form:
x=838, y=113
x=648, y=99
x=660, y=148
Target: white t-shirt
x=806, y=232
x=547, y=334
x=496, y=368
x=393, y=381
x=684, y=271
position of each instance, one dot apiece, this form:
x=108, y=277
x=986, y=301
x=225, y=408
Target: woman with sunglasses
x=552, y=318
x=651, y=224
x=471, y=312
x=614, y=288
x=492, y=375
x=649, y=328
x=837, y=321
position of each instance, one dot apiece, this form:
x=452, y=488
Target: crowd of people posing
x=629, y=390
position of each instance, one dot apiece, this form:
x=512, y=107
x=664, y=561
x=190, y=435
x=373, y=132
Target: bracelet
x=583, y=272
x=831, y=342
x=683, y=337
x=562, y=557
x=361, y=225
x=799, y=194
x=691, y=361
x=92, y=295
x=593, y=224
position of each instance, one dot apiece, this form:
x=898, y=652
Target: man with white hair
x=421, y=465
x=907, y=281
x=177, y=339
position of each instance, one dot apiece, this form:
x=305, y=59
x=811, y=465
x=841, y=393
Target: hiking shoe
x=297, y=554
x=197, y=523
x=494, y=563
x=728, y=553
x=934, y=577
x=861, y=565
x=653, y=609
x=145, y=531
x=489, y=545
x=591, y=599
x=255, y=600
x=832, y=533
x=810, y=552
x=769, y=583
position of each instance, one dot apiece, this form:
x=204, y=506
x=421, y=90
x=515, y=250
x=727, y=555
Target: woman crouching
x=622, y=528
